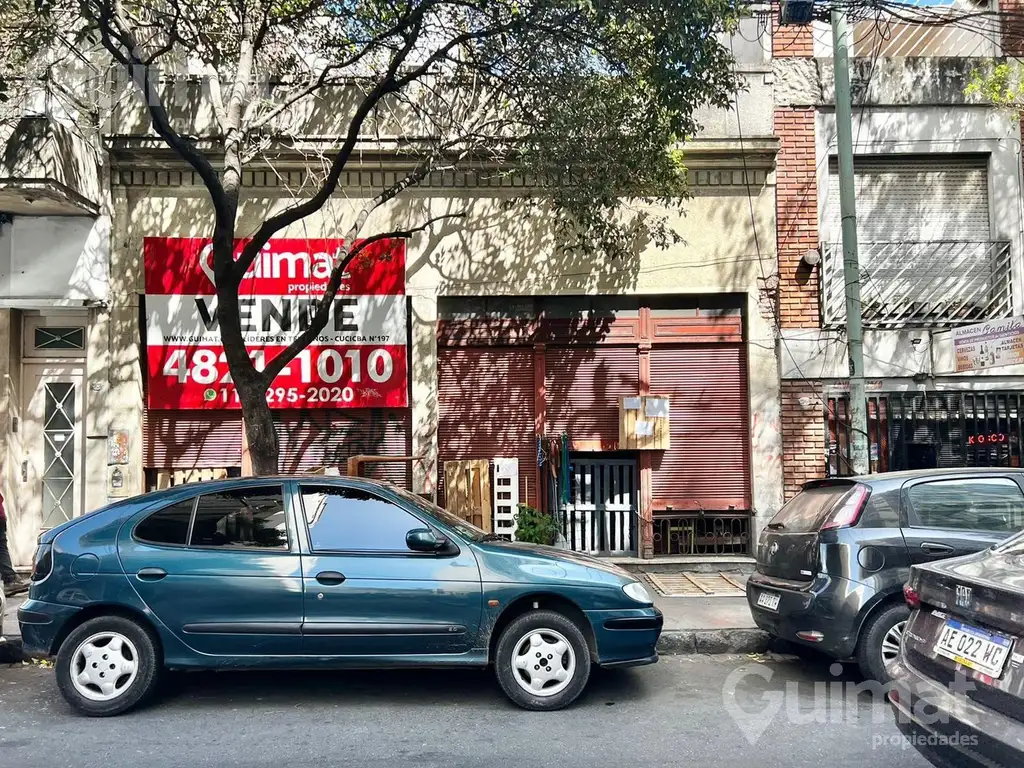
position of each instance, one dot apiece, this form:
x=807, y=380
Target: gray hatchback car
x=832, y=563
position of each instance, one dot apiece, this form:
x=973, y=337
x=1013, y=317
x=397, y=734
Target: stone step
x=688, y=564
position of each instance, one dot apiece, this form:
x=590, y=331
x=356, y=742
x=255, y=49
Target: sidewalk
x=692, y=625
x=10, y=651
x=10, y=625
x=709, y=625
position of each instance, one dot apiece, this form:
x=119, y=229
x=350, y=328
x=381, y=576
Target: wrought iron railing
x=937, y=283
x=698, y=533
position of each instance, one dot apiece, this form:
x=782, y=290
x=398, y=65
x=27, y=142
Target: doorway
x=600, y=517
x=52, y=491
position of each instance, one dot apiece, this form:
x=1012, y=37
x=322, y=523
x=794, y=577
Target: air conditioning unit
x=796, y=12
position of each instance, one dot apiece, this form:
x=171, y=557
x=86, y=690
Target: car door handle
x=151, y=574
x=937, y=549
x=330, y=577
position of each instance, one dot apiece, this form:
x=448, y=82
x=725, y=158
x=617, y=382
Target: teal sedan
x=318, y=572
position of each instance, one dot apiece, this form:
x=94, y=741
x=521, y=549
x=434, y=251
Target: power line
x=777, y=326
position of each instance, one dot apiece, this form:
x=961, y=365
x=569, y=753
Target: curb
x=709, y=641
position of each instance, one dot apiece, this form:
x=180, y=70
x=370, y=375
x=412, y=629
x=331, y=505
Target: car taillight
x=849, y=513
x=912, y=598
x=42, y=564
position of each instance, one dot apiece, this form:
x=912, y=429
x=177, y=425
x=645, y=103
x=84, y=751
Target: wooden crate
x=639, y=428
x=166, y=478
x=467, y=491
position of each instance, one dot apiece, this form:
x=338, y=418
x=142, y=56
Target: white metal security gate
x=600, y=517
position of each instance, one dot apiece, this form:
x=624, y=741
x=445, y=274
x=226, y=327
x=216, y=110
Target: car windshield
x=464, y=527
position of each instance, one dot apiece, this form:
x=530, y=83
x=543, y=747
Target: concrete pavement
x=715, y=712
x=710, y=625
x=688, y=613
x=10, y=618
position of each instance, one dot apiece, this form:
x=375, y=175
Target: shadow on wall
x=504, y=245
x=41, y=149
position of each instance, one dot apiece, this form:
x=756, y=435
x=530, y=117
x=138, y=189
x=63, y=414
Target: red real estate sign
x=359, y=360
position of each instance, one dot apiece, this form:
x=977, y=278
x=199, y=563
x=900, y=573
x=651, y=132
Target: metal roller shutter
x=328, y=437
x=708, y=465
x=486, y=403
x=584, y=386
x=915, y=198
x=191, y=439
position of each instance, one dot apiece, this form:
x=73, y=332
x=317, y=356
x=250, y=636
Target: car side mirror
x=424, y=540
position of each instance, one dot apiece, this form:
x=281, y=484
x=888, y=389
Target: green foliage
x=591, y=99
x=534, y=527
x=591, y=102
x=1001, y=85
x=27, y=30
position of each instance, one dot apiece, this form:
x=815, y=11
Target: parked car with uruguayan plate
x=832, y=563
x=957, y=688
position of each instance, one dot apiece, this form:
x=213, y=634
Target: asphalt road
x=720, y=712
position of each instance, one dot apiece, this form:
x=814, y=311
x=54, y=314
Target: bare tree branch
x=350, y=248
x=117, y=38
x=323, y=313
x=390, y=83
x=324, y=78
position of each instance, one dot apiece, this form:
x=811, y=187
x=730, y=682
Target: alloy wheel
x=891, y=643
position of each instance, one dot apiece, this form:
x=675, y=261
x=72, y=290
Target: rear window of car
x=1012, y=547
x=806, y=511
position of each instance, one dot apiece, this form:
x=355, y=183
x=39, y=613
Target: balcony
x=934, y=284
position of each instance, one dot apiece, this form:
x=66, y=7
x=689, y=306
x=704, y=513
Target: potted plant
x=535, y=527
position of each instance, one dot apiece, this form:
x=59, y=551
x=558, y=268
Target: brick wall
x=1012, y=32
x=791, y=40
x=796, y=196
x=803, y=434
x=796, y=210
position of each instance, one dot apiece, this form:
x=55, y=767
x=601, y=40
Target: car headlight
x=638, y=592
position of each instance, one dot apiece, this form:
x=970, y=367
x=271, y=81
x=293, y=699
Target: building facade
x=54, y=291
x=501, y=348
x=938, y=189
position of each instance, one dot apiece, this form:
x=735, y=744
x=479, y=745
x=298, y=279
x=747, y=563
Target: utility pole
x=859, y=459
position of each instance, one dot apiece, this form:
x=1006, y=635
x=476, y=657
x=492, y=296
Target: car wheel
x=542, y=661
x=879, y=644
x=107, y=666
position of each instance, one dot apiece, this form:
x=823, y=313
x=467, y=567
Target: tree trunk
x=264, y=447
x=250, y=384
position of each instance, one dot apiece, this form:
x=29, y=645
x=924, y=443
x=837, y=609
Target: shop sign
x=359, y=360
x=843, y=387
x=995, y=438
x=989, y=345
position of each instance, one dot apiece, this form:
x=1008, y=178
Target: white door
x=51, y=472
